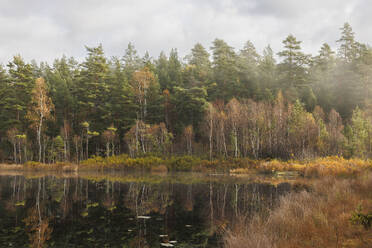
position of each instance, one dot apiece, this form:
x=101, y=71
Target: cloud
x=44, y=29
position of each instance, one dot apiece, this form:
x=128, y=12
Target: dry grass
x=319, y=218
x=319, y=167
x=11, y=167
x=70, y=168
x=36, y=166
x=159, y=169
x=312, y=168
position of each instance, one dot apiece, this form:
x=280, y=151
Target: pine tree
x=348, y=46
x=174, y=70
x=62, y=79
x=21, y=83
x=6, y=110
x=293, y=68
x=92, y=89
x=162, y=71
x=225, y=70
x=120, y=105
x=322, y=73
x=198, y=71
x=248, y=60
x=267, y=74
x=189, y=105
x=131, y=60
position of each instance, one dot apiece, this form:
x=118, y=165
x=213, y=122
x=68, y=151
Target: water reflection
x=185, y=210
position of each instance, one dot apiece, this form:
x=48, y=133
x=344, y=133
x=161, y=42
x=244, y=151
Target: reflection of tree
x=236, y=199
x=192, y=213
x=211, y=204
x=38, y=229
x=108, y=200
x=143, y=198
x=17, y=197
x=189, y=204
x=224, y=201
x=139, y=242
x=66, y=203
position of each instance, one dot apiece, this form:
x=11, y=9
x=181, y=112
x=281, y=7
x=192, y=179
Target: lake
x=128, y=210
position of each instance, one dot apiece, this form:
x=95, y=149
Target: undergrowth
x=307, y=168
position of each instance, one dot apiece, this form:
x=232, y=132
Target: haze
x=45, y=30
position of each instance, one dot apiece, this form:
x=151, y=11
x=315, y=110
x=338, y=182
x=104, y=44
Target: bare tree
x=210, y=119
x=140, y=83
x=233, y=109
x=335, y=128
x=188, y=133
x=109, y=137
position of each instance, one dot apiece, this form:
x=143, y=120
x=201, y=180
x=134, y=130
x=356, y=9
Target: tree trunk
x=25, y=150
x=44, y=148
x=77, y=151
x=20, y=152
x=236, y=142
x=15, y=152
x=107, y=149
x=210, y=139
x=87, y=145
x=65, y=150
x=39, y=136
x=137, y=140
x=113, y=149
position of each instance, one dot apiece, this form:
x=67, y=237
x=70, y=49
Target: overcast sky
x=47, y=29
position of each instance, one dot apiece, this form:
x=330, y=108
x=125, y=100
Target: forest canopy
x=216, y=102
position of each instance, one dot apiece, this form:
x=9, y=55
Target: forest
x=213, y=103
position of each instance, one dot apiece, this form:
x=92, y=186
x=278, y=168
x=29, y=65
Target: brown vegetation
x=320, y=217
x=308, y=168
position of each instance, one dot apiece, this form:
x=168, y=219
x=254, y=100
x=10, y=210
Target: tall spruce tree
x=21, y=83
x=92, y=88
x=348, y=46
x=293, y=69
x=225, y=70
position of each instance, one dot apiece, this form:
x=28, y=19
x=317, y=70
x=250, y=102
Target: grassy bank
x=311, y=168
x=148, y=163
x=334, y=213
x=308, y=168
x=36, y=166
x=174, y=163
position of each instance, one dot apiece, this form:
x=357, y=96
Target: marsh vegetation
x=332, y=213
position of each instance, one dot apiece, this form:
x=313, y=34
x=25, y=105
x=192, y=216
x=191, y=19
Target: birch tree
x=140, y=83
x=210, y=119
x=233, y=115
x=40, y=110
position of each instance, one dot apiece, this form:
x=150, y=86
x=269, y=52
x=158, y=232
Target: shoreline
x=235, y=166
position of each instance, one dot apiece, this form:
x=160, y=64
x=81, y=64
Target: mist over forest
x=215, y=102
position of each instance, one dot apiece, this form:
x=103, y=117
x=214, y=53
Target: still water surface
x=127, y=210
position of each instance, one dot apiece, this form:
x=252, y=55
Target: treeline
x=227, y=103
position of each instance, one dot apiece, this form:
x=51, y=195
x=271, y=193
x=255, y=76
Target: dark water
x=113, y=210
